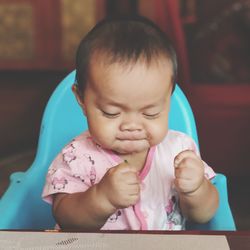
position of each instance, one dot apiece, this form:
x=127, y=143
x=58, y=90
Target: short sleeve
x=65, y=176
x=79, y=166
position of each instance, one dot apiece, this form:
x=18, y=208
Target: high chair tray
x=122, y=241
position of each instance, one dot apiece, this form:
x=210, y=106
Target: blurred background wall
x=38, y=39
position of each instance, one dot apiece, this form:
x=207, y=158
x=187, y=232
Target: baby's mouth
x=131, y=136
x=130, y=139
x=129, y=146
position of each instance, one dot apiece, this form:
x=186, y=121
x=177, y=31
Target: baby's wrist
x=105, y=205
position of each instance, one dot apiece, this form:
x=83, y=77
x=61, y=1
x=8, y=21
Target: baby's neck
x=136, y=160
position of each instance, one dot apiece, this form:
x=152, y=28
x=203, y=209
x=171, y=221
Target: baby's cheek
x=110, y=133
x=157, y=134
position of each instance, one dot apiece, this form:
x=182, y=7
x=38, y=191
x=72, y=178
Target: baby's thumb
x=126, y=167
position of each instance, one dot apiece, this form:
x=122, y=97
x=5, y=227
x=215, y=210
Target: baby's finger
x=185, y=169
x=133, y=200
x=182, y=185
x=131, y=178
x=134, y=189
x=184, y=155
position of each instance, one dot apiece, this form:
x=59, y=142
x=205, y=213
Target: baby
x=128, y=171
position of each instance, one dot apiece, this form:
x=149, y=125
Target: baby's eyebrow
x=109, y=102
x=115, y=103
x=124, y=106
x=151, y=106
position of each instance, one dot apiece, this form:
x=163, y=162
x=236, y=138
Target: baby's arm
x=89, y=210
x=198, y=197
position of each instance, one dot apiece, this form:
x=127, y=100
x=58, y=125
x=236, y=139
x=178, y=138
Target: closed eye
x=110, y=115
x=151, y=116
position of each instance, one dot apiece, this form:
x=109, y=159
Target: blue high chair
x=21, y=206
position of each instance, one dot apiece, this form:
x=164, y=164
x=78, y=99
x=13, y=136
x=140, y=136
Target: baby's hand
x=189, y=172
x=121, y=186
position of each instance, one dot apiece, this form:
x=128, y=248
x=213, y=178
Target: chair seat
x=21, y=206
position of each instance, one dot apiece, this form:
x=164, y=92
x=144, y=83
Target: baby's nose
x=131, y=123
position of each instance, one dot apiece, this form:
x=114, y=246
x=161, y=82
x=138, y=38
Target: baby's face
x=127, y=106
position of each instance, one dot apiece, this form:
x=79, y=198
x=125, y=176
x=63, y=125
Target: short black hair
x=123, y=40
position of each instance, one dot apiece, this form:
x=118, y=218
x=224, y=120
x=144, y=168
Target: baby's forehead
x=115, y=76
x=111, y=61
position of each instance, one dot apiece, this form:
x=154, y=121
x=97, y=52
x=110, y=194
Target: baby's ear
x=78, y=97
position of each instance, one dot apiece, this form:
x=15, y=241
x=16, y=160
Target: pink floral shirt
x=83, y=163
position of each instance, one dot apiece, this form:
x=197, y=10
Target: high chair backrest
x=21, y=207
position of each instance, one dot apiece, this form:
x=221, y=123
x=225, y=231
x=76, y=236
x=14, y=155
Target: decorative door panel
x=44, y=34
